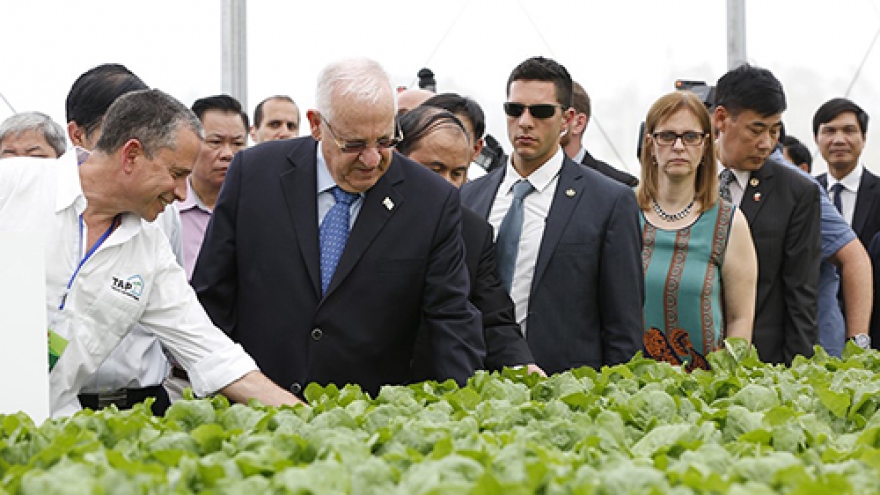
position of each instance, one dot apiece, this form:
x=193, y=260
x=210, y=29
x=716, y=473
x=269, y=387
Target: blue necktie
x=507, y=243
x=836, y=189
x=334, y=234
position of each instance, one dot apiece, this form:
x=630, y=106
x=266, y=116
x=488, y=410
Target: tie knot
x=522, y=188
x=836, y=188
x=343, y=197
x=726, y=177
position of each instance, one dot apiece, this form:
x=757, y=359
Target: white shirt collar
x=579, y=157
x=540, y=179
x=850, y=181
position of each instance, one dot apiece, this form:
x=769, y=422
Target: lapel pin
x=757, y=195
x=388, y=203
x=754, y=182
x=569, y=192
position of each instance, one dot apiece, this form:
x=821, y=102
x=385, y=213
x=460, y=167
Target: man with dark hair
x=572, y=139
x=794, y=151
x=568, y=238
x=226, y=131
x=781, y=206
x=471, y=115
x=840, y=128
x=276, y=117
x=128, y=275
x=91, y=95
x=31, y=134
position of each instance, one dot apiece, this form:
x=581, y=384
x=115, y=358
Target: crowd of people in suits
x=343, y=256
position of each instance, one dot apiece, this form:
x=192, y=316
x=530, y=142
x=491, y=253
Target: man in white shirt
x=840, y=128
x=109, y=269
x=134, y=370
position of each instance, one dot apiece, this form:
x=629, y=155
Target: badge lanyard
x=88, y=255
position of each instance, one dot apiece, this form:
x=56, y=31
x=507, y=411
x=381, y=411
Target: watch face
x=862, y=340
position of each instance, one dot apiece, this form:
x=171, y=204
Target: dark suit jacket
x=874, y=252
x=585, y=307
x=782, y=208
x=505, y=345
x=866, y=216
x=258, y=274
x=609, y=171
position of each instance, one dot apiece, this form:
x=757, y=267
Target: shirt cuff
x=219, y=369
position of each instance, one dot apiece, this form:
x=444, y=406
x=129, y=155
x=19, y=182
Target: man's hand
x=534, y=368
x=256, y=385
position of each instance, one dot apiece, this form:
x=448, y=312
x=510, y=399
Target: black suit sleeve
x=215, y=276
x=800, y=276
x=622, y=283
x=453, y=323
x=874, y=252
x=505, y=345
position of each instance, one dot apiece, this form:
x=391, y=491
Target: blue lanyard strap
x=89, y=254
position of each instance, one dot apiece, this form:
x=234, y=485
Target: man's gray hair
x=150, y=116
x=39, y=122
x=359, y=78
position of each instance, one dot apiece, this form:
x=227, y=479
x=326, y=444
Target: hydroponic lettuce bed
x=643, y=427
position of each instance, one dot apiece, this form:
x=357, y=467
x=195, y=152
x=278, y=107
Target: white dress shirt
x=132, y=278
x=850, y=183
x=536, y=208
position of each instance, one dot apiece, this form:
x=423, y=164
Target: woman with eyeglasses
x=699, y=260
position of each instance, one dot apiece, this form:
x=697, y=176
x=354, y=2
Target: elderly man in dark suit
x=781, y=206
x=326, y=252
x=568, y=238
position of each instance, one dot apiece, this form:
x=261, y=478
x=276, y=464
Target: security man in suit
x=568, y=239
x=572, y=140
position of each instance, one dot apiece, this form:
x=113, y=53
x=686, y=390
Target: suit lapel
x=485, y=197
x=757, y=190
x=568, y=193
x=380, y=203
x=301, y=181
x=864, y=200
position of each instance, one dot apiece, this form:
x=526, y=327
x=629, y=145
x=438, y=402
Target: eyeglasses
x=539, y=111
x=358, y=146
x=689, y=138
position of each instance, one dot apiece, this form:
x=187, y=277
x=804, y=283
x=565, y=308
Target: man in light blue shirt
x=841, y=250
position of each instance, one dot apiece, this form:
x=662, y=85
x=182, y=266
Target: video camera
x=700, y=88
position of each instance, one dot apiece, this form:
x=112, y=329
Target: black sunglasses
x=539, y=111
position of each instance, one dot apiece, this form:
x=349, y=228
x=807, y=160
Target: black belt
x=126, y=398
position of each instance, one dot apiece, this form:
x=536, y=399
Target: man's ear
x=719, y=119
x=478, y=147
x=129, y=152
x=314, y=123
x=579, y=124
x=76, y=134
x=253, y=134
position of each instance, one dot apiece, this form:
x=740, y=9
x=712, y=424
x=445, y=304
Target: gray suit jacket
x=585, y=307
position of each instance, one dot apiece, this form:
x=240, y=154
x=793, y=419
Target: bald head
x=411, y=98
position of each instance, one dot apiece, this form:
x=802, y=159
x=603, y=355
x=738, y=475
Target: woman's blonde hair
x=706, y=183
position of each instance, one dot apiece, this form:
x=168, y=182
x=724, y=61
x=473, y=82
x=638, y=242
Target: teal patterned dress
x=684, y=313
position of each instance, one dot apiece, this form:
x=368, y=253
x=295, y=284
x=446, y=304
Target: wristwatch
x=862, y=340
